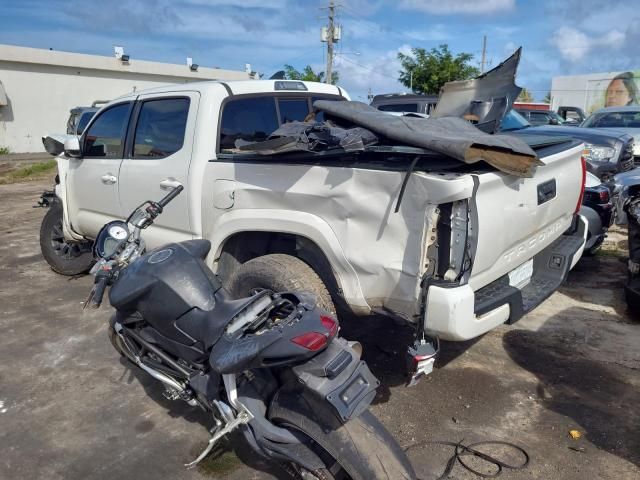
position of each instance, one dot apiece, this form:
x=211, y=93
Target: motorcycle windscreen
x=483, y=100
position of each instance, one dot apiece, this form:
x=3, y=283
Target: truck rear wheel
x=279, y=272
x=64, y=257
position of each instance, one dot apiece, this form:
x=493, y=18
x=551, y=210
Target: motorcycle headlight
x=598, y=153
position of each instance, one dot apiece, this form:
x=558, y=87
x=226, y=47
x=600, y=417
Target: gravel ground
x=70, y=408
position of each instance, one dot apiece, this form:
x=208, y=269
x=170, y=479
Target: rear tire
x=64, y=257
x=361, y=449
x=279, y=273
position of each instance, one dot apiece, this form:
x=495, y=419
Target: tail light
x=604, y=195
x=330, y=324
x=584, y=179
x=314, y=341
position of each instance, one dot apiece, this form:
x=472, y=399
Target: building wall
x=42, y=86
x=585, y=91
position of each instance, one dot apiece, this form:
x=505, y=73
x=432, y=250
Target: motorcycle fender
x=339, y=377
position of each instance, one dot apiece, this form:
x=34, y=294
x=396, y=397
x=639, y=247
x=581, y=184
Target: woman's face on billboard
x=617, y=94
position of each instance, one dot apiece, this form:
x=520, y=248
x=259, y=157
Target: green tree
x=525, y=96
x=427, y=71
x=308, y=75
x=547, y=98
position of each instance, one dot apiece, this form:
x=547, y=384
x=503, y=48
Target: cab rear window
x=253, y=119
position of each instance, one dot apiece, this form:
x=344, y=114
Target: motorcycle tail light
x=313, y=341
x=584, y=179
x=330, y=324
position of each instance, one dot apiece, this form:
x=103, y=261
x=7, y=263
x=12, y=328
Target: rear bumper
x=459, y=313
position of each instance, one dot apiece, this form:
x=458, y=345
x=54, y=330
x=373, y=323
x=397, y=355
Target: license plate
x=521, y=276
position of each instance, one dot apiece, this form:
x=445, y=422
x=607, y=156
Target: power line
x=369, y=68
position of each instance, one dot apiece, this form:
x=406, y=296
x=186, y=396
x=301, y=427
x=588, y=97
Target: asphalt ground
x=71, y=408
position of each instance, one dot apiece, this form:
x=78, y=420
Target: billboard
x=613, y=91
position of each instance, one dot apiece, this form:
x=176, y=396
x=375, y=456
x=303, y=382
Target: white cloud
x=447, y=7
x=571, y=43
x=435, y=33
x=575, y=45
x=371, y=70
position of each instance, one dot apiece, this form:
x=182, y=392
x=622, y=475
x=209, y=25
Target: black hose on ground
x=462, y=450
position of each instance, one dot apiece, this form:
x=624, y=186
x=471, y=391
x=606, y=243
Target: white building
x=588, y=91
x=39, y=87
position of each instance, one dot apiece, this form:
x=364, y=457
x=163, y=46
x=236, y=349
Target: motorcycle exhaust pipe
x=167, y=380
x=160, y=376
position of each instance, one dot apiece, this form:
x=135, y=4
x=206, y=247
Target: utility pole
x=329, y=69
x=484, y=53
x=330, y=34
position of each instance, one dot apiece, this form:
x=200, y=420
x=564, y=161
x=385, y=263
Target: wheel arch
x=242, y=235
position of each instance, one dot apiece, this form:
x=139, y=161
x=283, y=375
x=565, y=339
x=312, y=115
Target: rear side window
x=161, y=127
x=399, y=107
x=105, y=137
x=250, y=119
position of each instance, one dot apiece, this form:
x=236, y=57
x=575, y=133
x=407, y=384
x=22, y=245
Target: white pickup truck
x=469, y=249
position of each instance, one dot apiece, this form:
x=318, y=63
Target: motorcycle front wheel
x=360, y=449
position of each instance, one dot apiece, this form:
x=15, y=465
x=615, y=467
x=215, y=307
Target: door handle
x=169, y=184
x=108, y=179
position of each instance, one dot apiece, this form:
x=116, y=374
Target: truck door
x=92, y=184
x=159, y=154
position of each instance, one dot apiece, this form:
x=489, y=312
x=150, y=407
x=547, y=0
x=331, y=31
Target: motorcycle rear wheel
x=361, y=449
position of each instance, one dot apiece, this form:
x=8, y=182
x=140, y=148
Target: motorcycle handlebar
x=170, y=196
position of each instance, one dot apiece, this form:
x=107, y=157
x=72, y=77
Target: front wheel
x=64, y=257
x=361, y=449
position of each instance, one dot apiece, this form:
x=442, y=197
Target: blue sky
x=558, y=37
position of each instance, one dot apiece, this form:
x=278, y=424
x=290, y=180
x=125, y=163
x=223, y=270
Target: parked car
x=607, y=152
x=79, y=117
x=572, y=115
x=405, y=103
x=597, y=208
x=623, y=119
x=541, y=117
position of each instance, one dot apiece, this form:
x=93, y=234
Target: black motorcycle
x=271, y=365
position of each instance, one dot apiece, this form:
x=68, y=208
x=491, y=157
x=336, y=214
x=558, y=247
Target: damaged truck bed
x=428, y=237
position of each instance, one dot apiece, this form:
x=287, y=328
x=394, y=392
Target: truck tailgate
x=516, y=218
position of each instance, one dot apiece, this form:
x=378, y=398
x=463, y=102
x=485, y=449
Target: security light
x=125, y=58
x=194, y=67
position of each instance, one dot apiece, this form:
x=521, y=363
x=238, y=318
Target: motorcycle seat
x=206, y=327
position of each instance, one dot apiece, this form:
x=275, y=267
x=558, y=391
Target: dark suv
x=540, y=117
x=607, y=152
x=405, y=103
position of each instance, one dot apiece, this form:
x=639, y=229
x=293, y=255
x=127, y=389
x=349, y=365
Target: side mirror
x=72, y=147
x=54, y=144
x=553, y=121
